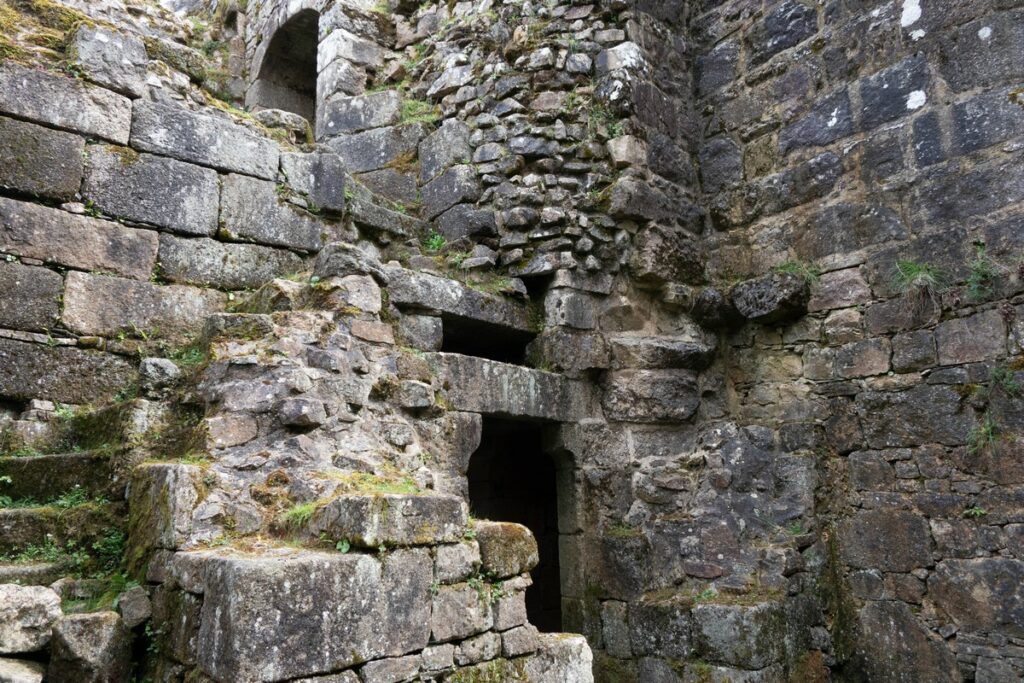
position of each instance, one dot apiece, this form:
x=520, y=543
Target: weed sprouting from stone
x=807, y=271
x=299, y=515
x=435, y=242
x=984, y=435
x=975, y=512
x=984, y=273
x=911, y=277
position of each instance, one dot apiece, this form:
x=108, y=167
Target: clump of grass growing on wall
x=984, y=272
x=808, y=272
x=984, y=435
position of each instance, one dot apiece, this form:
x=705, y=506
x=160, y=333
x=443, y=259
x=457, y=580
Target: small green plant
x=418, y=111
x=911, y=277
x=984, y=272
x=71, y=499
x=188, y=357
x=806, y=271
x=435, y=242
x=705, y=595
x=1006, y=379
x=602, y=119
x=984, y=435
x=299, y=515
x=975, y=512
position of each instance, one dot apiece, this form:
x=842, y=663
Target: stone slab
x=73, y=241
x=252, y=210
x=112, y=59
x=65, y=103
x=209, y=263
x=107, y=306
x=31, y=297
x=329, y=611
x=64, y=374
x=151, y=189
x=206, y=140
x=371, y=520
x=377, y=148
x=40, y=161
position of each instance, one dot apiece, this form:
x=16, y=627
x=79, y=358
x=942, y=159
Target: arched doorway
x=287, y=74
x=512, y=479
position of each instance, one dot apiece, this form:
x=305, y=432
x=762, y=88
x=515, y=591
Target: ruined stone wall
x=872, y=147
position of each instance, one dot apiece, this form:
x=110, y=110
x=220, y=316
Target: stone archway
x=288, y=69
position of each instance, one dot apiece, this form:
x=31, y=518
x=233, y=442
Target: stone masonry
x=276, y=277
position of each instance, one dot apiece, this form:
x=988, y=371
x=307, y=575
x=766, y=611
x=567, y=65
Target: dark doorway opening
x=483, y=340
x=512, y=479
x=287, y=78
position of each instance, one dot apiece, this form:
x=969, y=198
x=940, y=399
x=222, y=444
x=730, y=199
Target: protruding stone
x=92, y=648
x=772, y=299
x=740, y=635
x=27, y=617
x=506, y=549
x=252, y=210
x=651, y=396
x=371, y=520
x=110, y=58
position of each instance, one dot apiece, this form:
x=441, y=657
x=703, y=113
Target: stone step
x=44, y=477
x=31, y=573
x=21, y=528
x=412, y=290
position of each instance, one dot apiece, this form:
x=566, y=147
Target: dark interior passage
x=475, y=338
x=287, y=78
x=511, y=479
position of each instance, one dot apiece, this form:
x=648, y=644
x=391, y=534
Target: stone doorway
x=288, y=72
x=513, y=479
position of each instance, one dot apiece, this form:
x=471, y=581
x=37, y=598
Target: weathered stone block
x=319, y=175
x=484, y=386
x=923, y=414
x=179, y=133
x=456, y=562
x=457, y=185
x=519, y=641
x=561, y=659
x=968, y=61
x=32, y=297
x=92, y=648
x=106, y=306
x=209, y=263
x=570, y=308
x=830, y=119
x=151, y=189
x=788, y=24
x=894, y=92
x=377, y=148
x=665, y=254
x=975, y=338
x=506, y=549
x=163, y=497
x=27, y=617
x=392, y=670
x=772, y=298
x=112, y=59
x=896, y=646
x=362, y=112
x=890, y=540
x=39, y=161
x=423, y=291
x=458, y=612
x=839, y=289
x=913, y=351
x=478, y=649
x=251, y=210
x=981, y=594
x=740, y=635
x=651, y=396
x=329, y=611
x=662, y=352
x=863, y=358
x=61, y=373
x=445, y=147
x=56, y=236
x=391, y=519
x=65, y=103
x=21, y=671
x=660, y=627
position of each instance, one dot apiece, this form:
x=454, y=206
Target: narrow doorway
x=287, y=76
x=512, y=479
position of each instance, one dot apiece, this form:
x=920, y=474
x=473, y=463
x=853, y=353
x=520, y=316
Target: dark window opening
x=287, y=79
x=231, y=24
x=483, y=340
x=512, y=479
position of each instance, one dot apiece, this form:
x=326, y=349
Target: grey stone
x=975, y=338
x=445, y=147
x=112, y=59
x=92, y=648
x=519, y=641
x=510, y=609
x=339, y=259
x=661, y=352
x=721, y=164
x=829, y=120
x=107, y=306
x=65, y=103
x=55, y=236
x=209, y=263
x=391, y=519
x=379, y=147
x=21, y=671
x=134, y=606
x=747, y=636
x=968, y=62
x=422, y=332
x=664, y=254
x=922, y=414
x=302, y=412
x=771, y=299
x=485, y=386
x=64, y=374
x=32, y=297
x=458, y=612
x=456, y=562
x=456, y=185
x=570, y=308
x=179, y=133
x=479, y=648
x=414, y=395
x=395, y=186
x=890, y=540
x=343, y=44
x=913, y=351
x=151, y=189
x=891, y=93
x=27, y=617
x=393, y=670
x=438, y=658
x=651, y=396
x=787, y=25
x=334, y=609
x=39, y=161
x=660, y=627
x=562, y=658
x=251, y=210
x=354, y=114
x=506, y=549
x=156, y=374
x=425, y=292
x=465, y=220
x=450, y=80
x=357, y=291
x=319, y=175
x=981, y=594
x=169, y=493
x=899, y=648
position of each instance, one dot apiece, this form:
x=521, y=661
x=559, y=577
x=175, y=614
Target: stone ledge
x=390, y=519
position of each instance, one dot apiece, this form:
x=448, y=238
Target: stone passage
x=512, y=479
x=287, y=77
